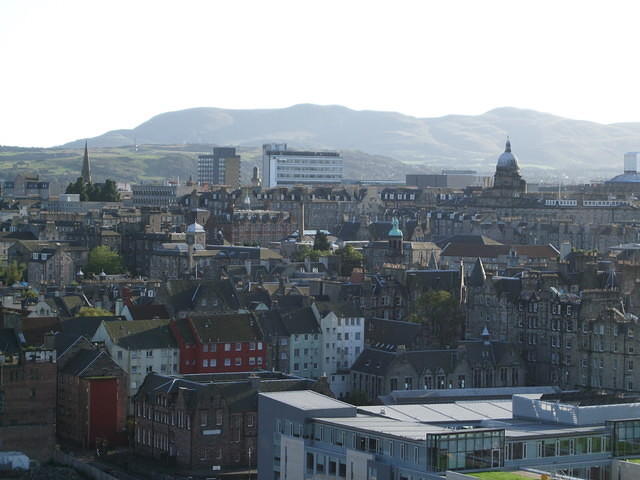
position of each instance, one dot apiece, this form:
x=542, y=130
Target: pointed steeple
x=507, y=147
x=478, y=275
x=86, y=167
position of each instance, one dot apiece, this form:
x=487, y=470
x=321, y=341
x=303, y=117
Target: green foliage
x=350, y=258
x=321, y=242
x=357, y=398
x=305, y=251
x=12, y=273
x=94, y=312
x=442, y=313
x=103, y=259
x=94, y=192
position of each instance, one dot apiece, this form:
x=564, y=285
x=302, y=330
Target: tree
x=440, y=311
x=94, y=312
x=103, y=259
x=350, y=258
x=12, y=273
x=305, y=251
x=95, y=192
x=321, y=242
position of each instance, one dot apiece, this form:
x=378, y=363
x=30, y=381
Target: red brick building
x=219, y=343
x=27, y=397
x=92, y=396
x=206, y=423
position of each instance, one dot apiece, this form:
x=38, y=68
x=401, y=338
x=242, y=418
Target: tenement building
x=205, y=423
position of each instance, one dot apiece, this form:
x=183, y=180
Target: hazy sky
x=74, y=69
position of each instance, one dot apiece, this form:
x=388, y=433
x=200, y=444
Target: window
x=227, y=362
x=251, y=420
x=238, y=347
x=203, y=418
x=252, y=346
x=149, y=353
x=219, y=414
x=205, y=347
x=227, y=347
x=213, y=362
x=205, y=363
x=252, y=360
x=238, y=361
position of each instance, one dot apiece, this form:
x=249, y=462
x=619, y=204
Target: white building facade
x=342, y=342
x=281, y=166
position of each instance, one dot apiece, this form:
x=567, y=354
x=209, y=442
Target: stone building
x=92, y=396
x=205, y=423
x=473, y=364
x=27, y=397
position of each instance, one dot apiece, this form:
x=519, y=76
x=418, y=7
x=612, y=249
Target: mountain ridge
x=543, y=141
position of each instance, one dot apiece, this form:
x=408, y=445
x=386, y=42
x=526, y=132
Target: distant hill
x=545, y=144
x=158, y=162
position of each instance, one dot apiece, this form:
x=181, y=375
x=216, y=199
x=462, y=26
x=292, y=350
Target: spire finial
x=507, y=147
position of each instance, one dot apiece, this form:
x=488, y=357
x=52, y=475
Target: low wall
x=621, y=470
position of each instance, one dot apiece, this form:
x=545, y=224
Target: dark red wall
x=103, y=411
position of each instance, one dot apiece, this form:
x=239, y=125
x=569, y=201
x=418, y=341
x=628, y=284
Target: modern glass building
x=305, y=435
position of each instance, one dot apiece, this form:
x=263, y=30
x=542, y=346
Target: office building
x=574, y=434
x=222, y=167
x=281, y=166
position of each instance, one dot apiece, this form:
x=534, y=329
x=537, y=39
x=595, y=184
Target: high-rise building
x=222, y=167
x=281, y=166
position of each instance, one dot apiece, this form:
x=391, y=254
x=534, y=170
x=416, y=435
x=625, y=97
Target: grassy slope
x=157, y=162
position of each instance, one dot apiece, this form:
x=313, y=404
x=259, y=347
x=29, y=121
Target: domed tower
x=396, y=238
x=507, y=180
x=196, y=235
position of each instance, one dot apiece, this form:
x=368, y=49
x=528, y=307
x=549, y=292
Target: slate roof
x=141, y=334
x=349, y=231
x=85, y=326
x=148, y=312
x=183, y=295
x=80, y=361
x=301, y=321
x=240, y=394
x=236, y=327
x=391, y=332
x=35, y=328
x=271, y=324
x=468, y=240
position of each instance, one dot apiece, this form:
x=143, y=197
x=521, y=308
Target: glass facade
x=626, y=437
x=465, y=450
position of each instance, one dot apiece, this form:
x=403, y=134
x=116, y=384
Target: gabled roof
x=271, y=324
x=148, y=312
x=236, y=327
x=388, y=334
x=468, y=240
x=184, y=295
x=141, y=334
x=84, y=326
x=301, y=321
x=478, y=275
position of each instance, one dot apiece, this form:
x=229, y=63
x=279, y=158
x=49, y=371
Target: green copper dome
x=395, y=231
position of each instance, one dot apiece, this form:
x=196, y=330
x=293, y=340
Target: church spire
x=507, y=147
x=86, y=167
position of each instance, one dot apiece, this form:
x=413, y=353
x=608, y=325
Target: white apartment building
x=342, y=342
x=140, y=347
x=281, y=166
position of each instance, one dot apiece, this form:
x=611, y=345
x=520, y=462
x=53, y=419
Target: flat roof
x=463, y=411
x=385, y=426
x=307, y=400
